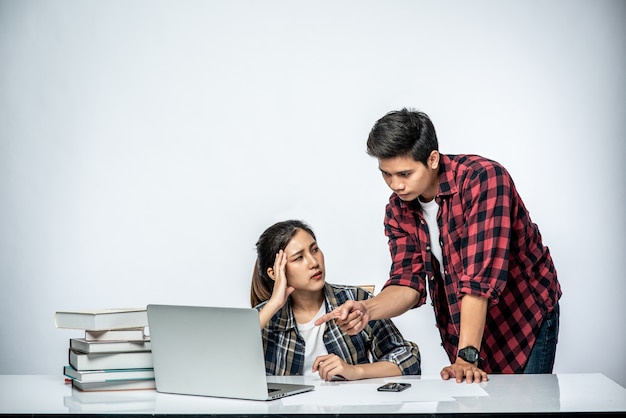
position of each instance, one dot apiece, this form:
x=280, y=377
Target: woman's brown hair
x=272, y=240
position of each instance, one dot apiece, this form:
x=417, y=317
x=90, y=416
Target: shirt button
x=422, y=222
x=428, y=248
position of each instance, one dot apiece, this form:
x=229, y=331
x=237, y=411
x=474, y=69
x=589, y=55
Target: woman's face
x=305, y=263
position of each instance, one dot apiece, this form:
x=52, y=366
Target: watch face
x=469, y=354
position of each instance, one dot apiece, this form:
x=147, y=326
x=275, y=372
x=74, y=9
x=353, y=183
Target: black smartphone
x=394, y=387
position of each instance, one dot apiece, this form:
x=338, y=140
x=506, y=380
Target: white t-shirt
x=313, y=341
x=430, y=213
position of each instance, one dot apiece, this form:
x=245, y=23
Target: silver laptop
x=211, y=351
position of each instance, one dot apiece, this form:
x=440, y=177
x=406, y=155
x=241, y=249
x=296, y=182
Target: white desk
x=560, y=394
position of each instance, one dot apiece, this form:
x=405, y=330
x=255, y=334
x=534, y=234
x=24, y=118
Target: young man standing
x=457, y=226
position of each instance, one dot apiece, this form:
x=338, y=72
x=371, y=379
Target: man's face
x=409, y=178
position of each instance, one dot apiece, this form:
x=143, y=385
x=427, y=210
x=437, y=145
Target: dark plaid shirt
x=284, y=346
x=490, y=248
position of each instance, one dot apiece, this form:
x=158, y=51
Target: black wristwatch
x=469, y=354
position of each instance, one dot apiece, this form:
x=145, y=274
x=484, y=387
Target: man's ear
x=433, y=160
x=270, y=272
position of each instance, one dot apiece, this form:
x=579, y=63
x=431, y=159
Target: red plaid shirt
x=490, y=248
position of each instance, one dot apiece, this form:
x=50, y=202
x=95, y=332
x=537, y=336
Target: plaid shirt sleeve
x=389, y=345
x=380, y=338
x=486, y=233
x=283, y=349
x=407, y=268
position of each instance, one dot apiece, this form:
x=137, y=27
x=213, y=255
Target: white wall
x=144, y=146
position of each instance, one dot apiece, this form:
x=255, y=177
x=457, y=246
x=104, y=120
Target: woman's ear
x=270, y=272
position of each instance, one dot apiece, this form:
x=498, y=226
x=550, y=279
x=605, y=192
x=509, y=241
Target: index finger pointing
x=325, y=318
x=337, y=313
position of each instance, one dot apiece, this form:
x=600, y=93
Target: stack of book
x=113, y=354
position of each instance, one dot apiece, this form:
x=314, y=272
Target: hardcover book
x=102, y=319
x=110, y=375
x=102, y=361
x=87, y=346
x=131, y=334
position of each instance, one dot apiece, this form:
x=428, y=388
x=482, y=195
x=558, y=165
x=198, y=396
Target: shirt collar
x=447, y=170
x=286, y=320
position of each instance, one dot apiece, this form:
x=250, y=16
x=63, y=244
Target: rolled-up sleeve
x=389, y=345
x=407, y=264
x=485, y=244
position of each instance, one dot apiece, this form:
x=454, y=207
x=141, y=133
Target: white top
x=313, y=341
x=430, y=214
